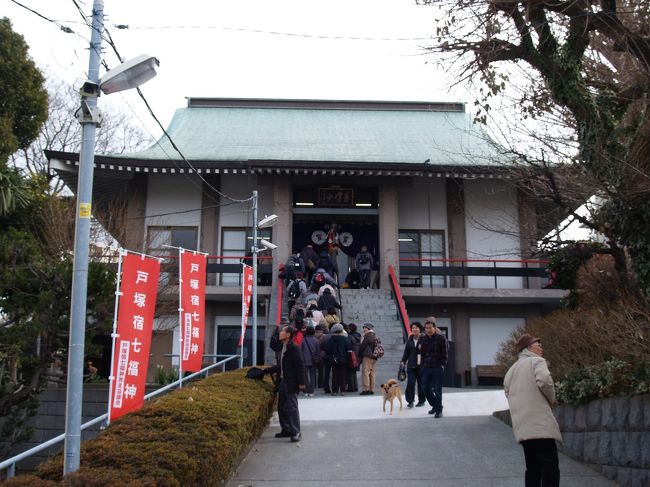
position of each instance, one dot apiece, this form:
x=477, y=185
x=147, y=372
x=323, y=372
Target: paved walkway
x=349, y=441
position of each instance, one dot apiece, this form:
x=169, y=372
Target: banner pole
x=180, y=319
x=241, y=339
x=111, y=377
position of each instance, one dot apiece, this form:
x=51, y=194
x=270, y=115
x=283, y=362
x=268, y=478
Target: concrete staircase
x=378, y=307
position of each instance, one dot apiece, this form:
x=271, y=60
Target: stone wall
x=613, y=435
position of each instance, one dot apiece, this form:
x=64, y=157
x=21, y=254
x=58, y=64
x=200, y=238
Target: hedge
x=191, y=437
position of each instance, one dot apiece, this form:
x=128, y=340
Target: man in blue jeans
x=433, y=348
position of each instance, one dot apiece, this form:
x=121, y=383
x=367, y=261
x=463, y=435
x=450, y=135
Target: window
x=421, y=244
x=159, y=237
x=157, y=240
x=237, y=242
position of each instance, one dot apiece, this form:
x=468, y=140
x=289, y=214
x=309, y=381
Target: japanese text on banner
x=137, y=304
x=247, y=293
x=193, y=272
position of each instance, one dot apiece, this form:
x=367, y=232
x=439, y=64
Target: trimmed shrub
x=192, y=437
x=609, y=379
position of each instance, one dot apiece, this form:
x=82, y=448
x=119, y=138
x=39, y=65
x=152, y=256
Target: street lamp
x=128, y=75
x=266, y=222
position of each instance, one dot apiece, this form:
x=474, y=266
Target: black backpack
x=294, y=289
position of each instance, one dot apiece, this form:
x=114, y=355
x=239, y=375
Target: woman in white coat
x=531, y=395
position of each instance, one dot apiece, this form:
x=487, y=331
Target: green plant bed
x=191, y=437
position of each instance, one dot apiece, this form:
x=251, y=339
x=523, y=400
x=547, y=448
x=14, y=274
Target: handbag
x=353, y=361
x=401, y=374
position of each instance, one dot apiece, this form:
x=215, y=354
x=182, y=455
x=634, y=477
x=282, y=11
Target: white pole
x=180, y=320
x=114, y=336
x=255, y=249
x=76, y=345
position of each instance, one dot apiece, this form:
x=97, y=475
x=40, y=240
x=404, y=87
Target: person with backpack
x=368, y=357
x=294, y=268
x=295, y=289
x=364, y=263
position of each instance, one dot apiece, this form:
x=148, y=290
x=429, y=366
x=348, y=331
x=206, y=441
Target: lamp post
x=266, y=222
x=135, y=73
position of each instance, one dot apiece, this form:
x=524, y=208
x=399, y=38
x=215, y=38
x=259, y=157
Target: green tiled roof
x=320, y=131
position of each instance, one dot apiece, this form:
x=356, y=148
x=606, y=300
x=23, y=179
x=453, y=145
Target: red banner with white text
x=246, y=294
x=136, y=306
x=192, y=269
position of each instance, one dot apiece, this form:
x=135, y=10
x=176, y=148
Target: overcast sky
x=339, y=49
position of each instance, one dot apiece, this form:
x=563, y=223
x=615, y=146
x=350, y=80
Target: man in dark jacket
x=411, y=360
x=364, y=264
x=291, y=370
x=354, y=337
x=433, y=350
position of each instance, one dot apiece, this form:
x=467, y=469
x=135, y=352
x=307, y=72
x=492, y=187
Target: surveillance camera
x=268, y=221
x=89, y=88
x=268, y=245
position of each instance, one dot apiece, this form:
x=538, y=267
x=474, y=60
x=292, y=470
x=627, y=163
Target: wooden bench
x=490, y=375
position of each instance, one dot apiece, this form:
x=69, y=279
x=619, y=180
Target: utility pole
x=89, y=118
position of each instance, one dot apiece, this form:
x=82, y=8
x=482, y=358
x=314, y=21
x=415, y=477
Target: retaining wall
x=611, y=434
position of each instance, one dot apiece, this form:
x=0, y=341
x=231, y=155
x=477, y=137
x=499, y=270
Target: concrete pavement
x=350, y=441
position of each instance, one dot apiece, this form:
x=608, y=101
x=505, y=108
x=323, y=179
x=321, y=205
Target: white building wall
x=492, y=229
x=413, y=213
x=174, y=200
x=487, y=334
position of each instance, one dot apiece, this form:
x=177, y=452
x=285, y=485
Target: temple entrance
x=339, y=234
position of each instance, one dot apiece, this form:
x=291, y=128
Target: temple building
x=418, y=183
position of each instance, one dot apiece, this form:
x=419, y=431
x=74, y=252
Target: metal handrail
x=10, y=463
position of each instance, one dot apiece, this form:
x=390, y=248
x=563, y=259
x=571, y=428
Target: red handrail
x=400, y=300
x=515, y=261
x=278, y=313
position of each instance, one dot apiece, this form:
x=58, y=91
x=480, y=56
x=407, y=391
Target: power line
x=109, y=40
x=269, y=32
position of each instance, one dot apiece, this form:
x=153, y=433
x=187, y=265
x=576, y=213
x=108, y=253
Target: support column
x=527, y=232
x=283, y=229
x=136, y=208
x=388, y=233
x=460, y=323
x=456, y=232
x=210, y=222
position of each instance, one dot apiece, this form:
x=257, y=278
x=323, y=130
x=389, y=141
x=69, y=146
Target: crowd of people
x=315, y=349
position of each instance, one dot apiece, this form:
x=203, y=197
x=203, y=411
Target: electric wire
x=106, y=35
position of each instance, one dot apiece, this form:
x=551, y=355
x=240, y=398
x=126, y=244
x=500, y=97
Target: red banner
x=193, y=269
x=246, y=294
x=137, y=303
